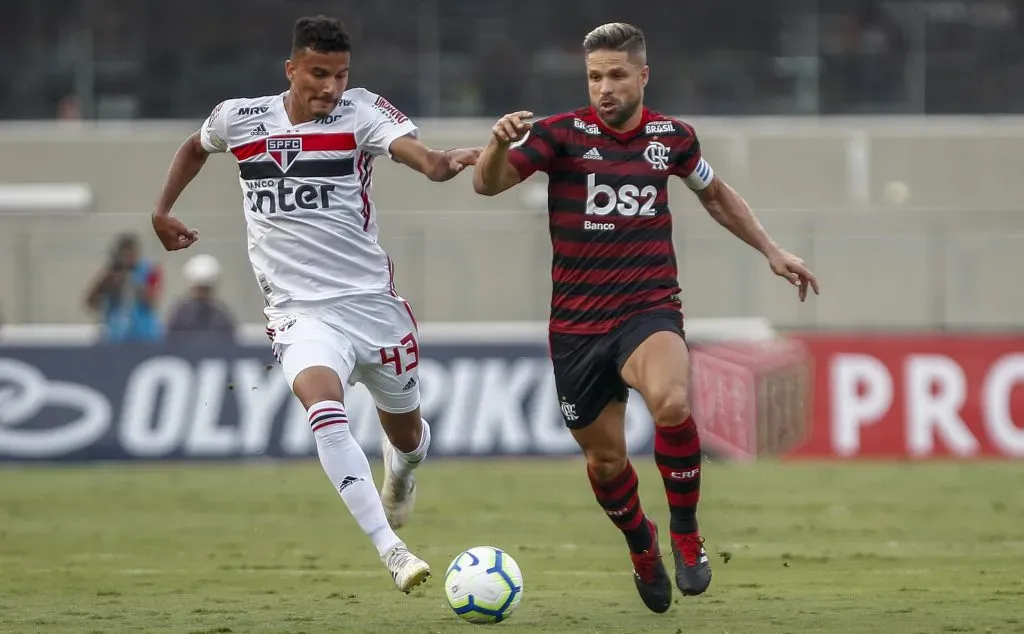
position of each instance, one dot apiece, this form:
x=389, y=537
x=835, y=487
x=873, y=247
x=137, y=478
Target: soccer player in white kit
x=305, y=160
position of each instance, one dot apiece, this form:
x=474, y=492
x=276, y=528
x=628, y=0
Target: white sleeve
x=214, y=133
x=380, y=123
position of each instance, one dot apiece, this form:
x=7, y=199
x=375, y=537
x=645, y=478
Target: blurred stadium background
x=880, y=140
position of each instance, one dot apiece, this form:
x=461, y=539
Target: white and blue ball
x=483, y=585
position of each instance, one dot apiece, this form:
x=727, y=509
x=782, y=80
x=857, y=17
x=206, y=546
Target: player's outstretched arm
x=731, y=211
x=436, y=165
x=187, y=162
x=494, y=172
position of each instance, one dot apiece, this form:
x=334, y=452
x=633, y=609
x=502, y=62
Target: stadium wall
x=910, y=222
x=488, y=390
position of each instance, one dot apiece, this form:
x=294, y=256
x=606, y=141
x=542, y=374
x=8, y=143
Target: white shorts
x=368, y=339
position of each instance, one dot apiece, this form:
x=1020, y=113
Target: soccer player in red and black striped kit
x=616, y=319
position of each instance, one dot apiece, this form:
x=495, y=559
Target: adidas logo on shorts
x=411, y=384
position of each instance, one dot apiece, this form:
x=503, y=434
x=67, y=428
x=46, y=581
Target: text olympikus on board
x=233, y=402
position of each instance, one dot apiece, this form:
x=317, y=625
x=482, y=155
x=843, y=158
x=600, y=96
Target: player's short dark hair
x=321, y=34
x=616, y=36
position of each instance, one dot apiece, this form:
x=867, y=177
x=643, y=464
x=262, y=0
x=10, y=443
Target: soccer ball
x=483, y=585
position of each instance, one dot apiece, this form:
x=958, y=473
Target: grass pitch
x=271, y=548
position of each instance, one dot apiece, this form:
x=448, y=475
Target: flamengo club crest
x=656, y=154
x=284, y=150
x=569, y=411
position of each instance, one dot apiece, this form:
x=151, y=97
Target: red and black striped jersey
x=611, y=229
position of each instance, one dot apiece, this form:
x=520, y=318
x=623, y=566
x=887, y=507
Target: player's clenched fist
x=172, y=233
x=512, y=127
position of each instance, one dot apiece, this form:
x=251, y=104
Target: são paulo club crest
x=284, y=150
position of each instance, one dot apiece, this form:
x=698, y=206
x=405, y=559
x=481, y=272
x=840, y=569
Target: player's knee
x=672, y=408
x=317, y=384
x=404, y=430
x=605, y=464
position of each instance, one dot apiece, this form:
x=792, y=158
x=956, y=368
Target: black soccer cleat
x=650, y=575
x=693, y=570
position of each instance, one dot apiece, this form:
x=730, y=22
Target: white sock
x=404, y=463
x=349, y=471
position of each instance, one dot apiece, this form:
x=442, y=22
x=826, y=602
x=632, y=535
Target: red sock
x=621, y=502
x=678, y=456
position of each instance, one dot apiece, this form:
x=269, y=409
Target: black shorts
x=588, y=367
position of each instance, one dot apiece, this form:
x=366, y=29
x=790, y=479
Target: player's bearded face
x=318, y=79
x=616, y=85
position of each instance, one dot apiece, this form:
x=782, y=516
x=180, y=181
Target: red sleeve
x=535, y=153
x=689, y=164
x=688, y=152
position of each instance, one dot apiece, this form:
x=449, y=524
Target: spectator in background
x=125, y=294
x=68, y=109
x=200, y=315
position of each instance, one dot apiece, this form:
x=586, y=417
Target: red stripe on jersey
x=335, y=142
x=583, y=328
x=620, y=250
x=564, y=275
x=249, y=150
x=606, y=302
x=408, y=309
x=573, y=327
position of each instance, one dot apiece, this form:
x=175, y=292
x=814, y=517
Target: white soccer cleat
x=406, y=569
x=397, y=494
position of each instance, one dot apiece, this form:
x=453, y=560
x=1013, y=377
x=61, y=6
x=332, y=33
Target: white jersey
x=311, y=224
